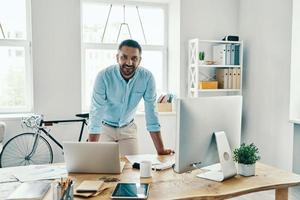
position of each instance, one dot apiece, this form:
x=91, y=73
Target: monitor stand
x=226, y=169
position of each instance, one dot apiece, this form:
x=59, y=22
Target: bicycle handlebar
x=36, y=121
x=83, y=115
x=32, y=121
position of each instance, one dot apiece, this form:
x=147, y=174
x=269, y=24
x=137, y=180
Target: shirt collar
x=119, y=75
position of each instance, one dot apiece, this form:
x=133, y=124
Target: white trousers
x=125, y=136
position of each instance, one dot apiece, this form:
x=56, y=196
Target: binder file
x=232, y=54
x=234, y=78
x=237, y=54
x=228, y=54
x=230, y=78
x=222, y=78
x=219, y=54
x=238, y=79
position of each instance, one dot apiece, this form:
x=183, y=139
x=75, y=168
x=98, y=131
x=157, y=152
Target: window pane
x=95, y=15
x=12, y=78
x=13, y=19
x=96, y=60
x=153, y=61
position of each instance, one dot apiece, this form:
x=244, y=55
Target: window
x=99, y=47
x=15, y=68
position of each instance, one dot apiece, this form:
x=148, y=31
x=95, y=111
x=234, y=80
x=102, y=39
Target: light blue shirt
x=115, y=101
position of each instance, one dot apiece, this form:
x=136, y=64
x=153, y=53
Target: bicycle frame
x=50, y=123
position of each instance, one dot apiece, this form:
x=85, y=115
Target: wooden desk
x=169, y=185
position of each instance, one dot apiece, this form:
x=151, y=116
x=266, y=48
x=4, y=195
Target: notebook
x=30, y=191
x=89, y=186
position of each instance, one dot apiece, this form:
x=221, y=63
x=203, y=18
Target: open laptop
x=93, y=157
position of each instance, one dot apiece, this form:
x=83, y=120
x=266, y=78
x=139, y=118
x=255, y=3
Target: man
x=118, y=90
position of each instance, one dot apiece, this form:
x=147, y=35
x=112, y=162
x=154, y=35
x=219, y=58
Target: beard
x=127, y=70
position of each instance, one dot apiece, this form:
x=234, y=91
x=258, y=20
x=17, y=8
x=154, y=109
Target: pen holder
x=164, y=107
x=59, y=194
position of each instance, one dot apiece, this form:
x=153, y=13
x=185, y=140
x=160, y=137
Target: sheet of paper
x=7, y=188
x=40, y=172
x=143, y=157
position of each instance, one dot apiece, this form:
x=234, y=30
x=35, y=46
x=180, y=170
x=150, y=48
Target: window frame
x=27, y=45
x=113, y=46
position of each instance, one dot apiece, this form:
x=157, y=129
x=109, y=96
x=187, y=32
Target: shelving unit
x=199, y=72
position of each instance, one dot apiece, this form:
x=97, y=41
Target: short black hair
x=131, y=43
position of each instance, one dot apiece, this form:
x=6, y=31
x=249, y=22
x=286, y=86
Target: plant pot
x=246, y=170
x=201, y=62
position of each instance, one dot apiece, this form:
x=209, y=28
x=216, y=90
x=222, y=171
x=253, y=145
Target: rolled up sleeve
x=98, y=103
x=152, y=122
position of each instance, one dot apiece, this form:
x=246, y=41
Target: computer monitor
x=197, y=120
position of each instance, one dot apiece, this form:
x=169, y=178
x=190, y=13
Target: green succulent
x=246, y=154
x=201, y=55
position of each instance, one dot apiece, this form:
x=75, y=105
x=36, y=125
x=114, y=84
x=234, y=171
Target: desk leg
x=282, y=194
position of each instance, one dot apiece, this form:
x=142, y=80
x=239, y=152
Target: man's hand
x=166, y=152
x=94, y=137
x=158, y=143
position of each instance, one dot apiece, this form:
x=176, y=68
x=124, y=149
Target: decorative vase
x=246, y=170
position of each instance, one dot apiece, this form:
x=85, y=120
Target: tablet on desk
x=131, y=191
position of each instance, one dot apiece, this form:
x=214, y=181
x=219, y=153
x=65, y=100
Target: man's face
x=129, y=59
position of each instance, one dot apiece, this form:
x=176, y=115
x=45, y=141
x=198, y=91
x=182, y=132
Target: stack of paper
x=40, y=172
x=30, y=190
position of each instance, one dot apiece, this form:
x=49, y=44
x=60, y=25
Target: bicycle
x=31, y=147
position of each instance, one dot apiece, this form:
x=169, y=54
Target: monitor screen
x=198, y=120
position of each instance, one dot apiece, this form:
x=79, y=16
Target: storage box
x=208, y=85
x=164, y=107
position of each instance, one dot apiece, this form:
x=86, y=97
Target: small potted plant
x=201, y=57
x=246, y=157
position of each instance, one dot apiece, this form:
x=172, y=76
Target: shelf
x=220, y=41
x=217, y=66
x=216, y=90
x=200, y=70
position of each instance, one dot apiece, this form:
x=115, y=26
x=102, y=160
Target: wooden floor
x=294, y=194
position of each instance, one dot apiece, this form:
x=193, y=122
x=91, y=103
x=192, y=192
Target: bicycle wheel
x=15, y=152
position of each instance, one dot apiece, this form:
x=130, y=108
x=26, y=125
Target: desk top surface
x=170, y=185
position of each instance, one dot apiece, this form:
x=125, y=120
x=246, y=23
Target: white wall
x=265, y=27
x=56, y=57
x=204, y=19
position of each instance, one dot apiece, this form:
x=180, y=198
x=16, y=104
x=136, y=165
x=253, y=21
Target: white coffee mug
x=145, y=169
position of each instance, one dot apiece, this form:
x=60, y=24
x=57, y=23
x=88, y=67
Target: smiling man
x=117, y=92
